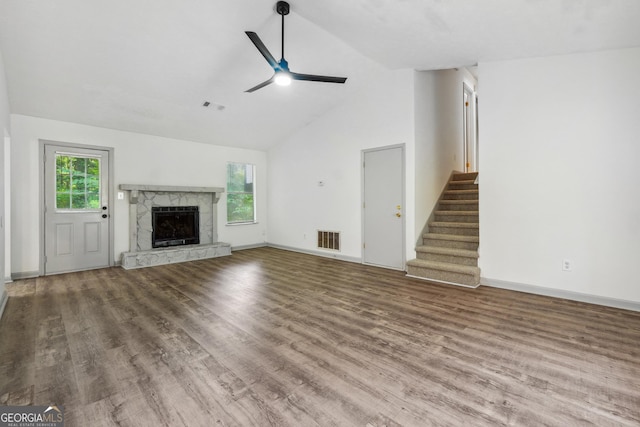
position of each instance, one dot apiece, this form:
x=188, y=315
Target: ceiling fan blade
x=314, y=78
x=261, y=85
x=263, y=49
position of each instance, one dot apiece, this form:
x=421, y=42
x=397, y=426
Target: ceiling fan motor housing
x=282, y=7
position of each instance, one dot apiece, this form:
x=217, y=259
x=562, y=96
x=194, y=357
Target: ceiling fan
x=283, y=75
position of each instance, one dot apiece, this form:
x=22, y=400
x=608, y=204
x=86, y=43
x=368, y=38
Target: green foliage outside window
x=77, y=182
x=240, y=193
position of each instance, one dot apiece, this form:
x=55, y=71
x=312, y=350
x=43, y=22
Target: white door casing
x=76, y=208
x=469, y=124
x=383, y=207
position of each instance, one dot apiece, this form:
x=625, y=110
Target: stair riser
x=451, y=259
x=445, y=276
x=472, y=246
x=454, y=186
x=456, y=218
x=454, y=231
x=460, y=196
x=444, y=206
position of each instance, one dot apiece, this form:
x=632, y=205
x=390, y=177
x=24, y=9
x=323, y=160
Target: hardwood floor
x=267, y=337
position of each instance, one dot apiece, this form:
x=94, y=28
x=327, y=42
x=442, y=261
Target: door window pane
x=77, y=182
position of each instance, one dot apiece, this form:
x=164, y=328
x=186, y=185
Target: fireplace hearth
x=175, y=226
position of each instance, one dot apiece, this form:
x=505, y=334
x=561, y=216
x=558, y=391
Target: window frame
x=253, y=193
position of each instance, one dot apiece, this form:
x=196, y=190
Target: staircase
x=449, y=252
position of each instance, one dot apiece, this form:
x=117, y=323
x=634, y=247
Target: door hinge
x=364, y=245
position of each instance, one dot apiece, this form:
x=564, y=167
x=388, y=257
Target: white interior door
x=76, y=202
x=383, y=207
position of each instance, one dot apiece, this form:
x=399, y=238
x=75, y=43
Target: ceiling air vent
x=329, y=240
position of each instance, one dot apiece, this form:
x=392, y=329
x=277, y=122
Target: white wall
x=6, y=223
x=170, y=162
x=329, y=150
x=439, y=136
x=4, y=136
x=560, y=176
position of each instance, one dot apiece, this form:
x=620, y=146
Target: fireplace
x=175, y=226
x=170, y=248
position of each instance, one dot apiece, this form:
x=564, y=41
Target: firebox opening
x=175, y=226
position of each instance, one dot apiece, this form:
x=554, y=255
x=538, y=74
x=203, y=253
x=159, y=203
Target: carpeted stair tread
x=464, y=176
x=458, y=205
x=452, y=237
x=458, y=202
x=458, y=192
x=457, y=213
x=454, y=224
x=463, y=182
x=462, y=185
x=444, y=266
x=447, y=251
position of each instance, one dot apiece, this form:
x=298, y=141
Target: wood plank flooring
x=267, y=337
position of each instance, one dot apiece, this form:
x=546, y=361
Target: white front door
x=383, y=207
x=76, y=202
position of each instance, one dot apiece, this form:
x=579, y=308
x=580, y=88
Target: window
x=77, y=182
x=241, y=207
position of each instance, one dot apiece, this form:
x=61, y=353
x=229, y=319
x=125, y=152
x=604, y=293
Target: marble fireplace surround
x=143, y=197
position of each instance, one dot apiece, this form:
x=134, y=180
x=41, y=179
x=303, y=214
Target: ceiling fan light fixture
x=282, y=78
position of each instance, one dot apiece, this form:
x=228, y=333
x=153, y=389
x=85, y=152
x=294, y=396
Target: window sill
x=234, y=224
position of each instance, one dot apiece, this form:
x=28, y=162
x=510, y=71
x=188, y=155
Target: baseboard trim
x=25, y=275
x=3, y=301
x=243, y=247
x=559, y=293
x=340, y=257
x=443, y=282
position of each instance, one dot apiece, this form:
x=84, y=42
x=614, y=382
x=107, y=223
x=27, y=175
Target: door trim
x=469, y=129
x=71, y=146
x=403, y=198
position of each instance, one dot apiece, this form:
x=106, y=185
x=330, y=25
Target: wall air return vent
x=329, y=240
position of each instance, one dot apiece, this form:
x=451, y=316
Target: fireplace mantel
x=135, y=188
x=143, y=197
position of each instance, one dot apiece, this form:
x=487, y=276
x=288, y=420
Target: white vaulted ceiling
x=148, y=65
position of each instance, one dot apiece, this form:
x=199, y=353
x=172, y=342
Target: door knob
x=398, y=214
x=104, y=215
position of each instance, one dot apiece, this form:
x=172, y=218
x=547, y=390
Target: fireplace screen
x=175, y=225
